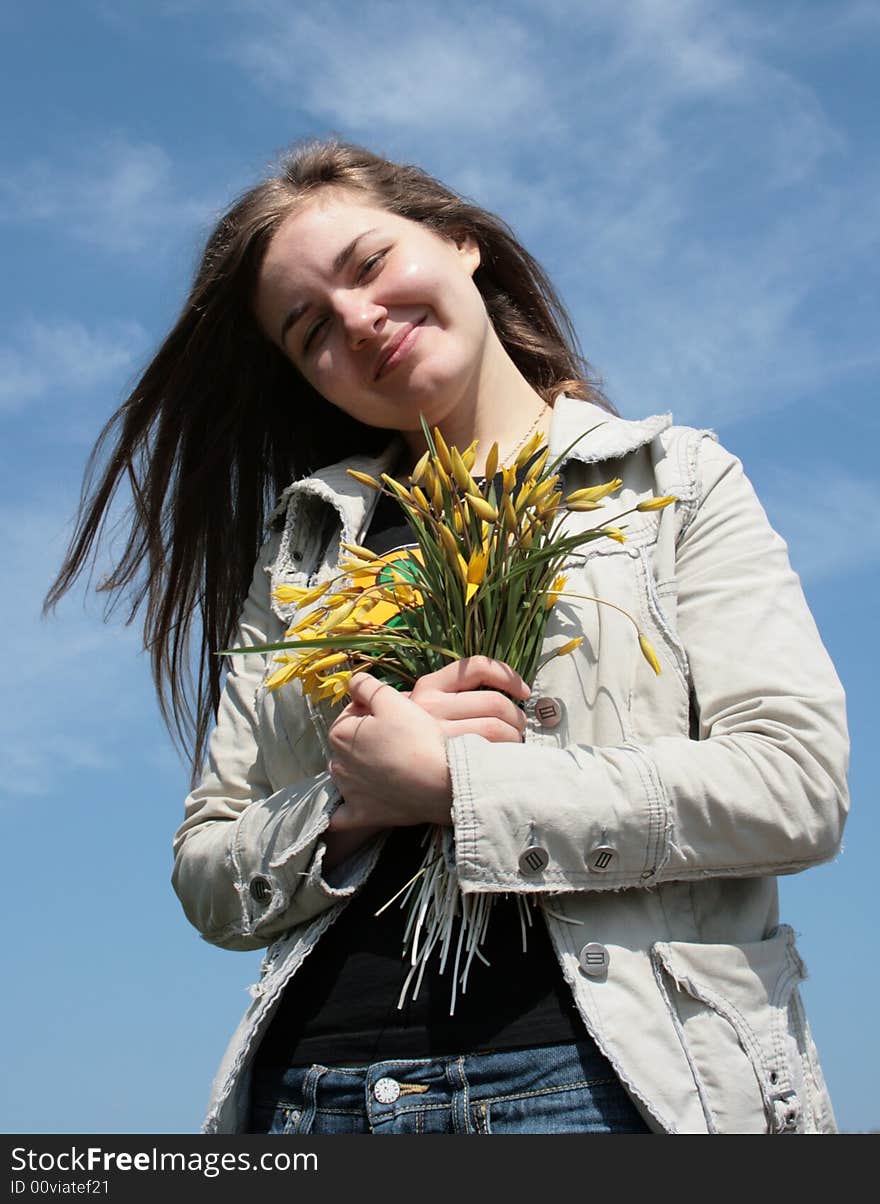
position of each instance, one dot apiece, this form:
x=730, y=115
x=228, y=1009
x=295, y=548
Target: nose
x=362, y=318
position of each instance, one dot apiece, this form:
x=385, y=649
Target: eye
x=368, y=265
x=310, y=337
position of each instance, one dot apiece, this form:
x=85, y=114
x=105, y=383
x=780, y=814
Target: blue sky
x=700, y=178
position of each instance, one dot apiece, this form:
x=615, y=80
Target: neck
x=505, y=409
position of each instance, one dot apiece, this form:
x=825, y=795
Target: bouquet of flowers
x=481, y=579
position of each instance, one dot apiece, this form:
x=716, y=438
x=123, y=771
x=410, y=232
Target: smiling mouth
x=399, y=350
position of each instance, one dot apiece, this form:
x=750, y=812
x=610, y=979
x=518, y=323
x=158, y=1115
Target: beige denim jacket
x=663, y=807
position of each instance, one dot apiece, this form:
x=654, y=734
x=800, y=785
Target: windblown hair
x=220, y=422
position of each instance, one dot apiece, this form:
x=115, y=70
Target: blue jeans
x=568, y=1088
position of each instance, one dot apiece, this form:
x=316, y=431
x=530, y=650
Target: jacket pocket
x=738, y=1017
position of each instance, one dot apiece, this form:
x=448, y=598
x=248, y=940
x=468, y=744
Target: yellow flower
x=649, y=654
x=288, y=670
x=523, y=495
x=360, y=566
x=483, y=509
x=538, y=466
x=289, y=594
x=508, y=480
x=444, y=477
x=463, y=478
x=429, y=478
x=420, y=469
x=302, y=627
x=357, y=550
x=476, y=569
x=614, y=533
x=551, y=505
x=582, y=507
x=529, y=450
x=334, y=687
x=419, y=498
x=450, y=543
x=406, y=595
x=349, y=626
x=363, y=478
x=327, y=662
x=555, y=590
x=396, y=487
x=469, y=455
x=299, y=595
x=541, y=492
x=656, y=503
x=340, y=615
x=509, y=512
x=570, y=646
x=491, y=462
x=595, y=493
x=442, y=451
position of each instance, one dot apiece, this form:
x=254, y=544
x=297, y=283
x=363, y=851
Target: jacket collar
x=603, y=436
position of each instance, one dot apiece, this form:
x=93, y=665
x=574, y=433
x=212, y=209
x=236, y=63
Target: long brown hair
x=220, y=422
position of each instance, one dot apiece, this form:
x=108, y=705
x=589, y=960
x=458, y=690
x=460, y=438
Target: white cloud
x=45, y=358
x=381, y=65
x=115, y=194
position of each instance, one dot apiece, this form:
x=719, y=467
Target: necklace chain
x=513, y=454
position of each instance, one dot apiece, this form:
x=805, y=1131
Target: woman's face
x=380, y=314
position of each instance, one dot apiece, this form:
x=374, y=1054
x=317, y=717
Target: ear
x=469, y=250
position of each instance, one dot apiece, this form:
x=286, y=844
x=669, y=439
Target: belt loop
x=310, y=1098
x=459, y=1104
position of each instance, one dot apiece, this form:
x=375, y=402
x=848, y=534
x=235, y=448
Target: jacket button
x=601, y=858
x=261, y=889
x=548, y=712
x=594, y=960
x=533, y=860
x=386, y=1091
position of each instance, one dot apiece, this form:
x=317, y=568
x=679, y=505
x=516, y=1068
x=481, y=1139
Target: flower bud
x=594, y=493
x=420, y=469
x=358, y=550
x=483, y=509
x=450, y=543
x=649, y=654
x=363, y=478
x=656, y=503
x=462, y=476
x=442, y=450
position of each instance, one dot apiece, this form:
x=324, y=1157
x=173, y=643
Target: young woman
x=644, y=816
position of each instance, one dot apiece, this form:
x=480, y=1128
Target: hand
x=388, y=760
x=389, y=748
x=469, y=696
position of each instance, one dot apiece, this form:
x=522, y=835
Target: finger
x=496, y=731
x=343, y=731
x=475, y=671
x=474, y=704
x=368, y=692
